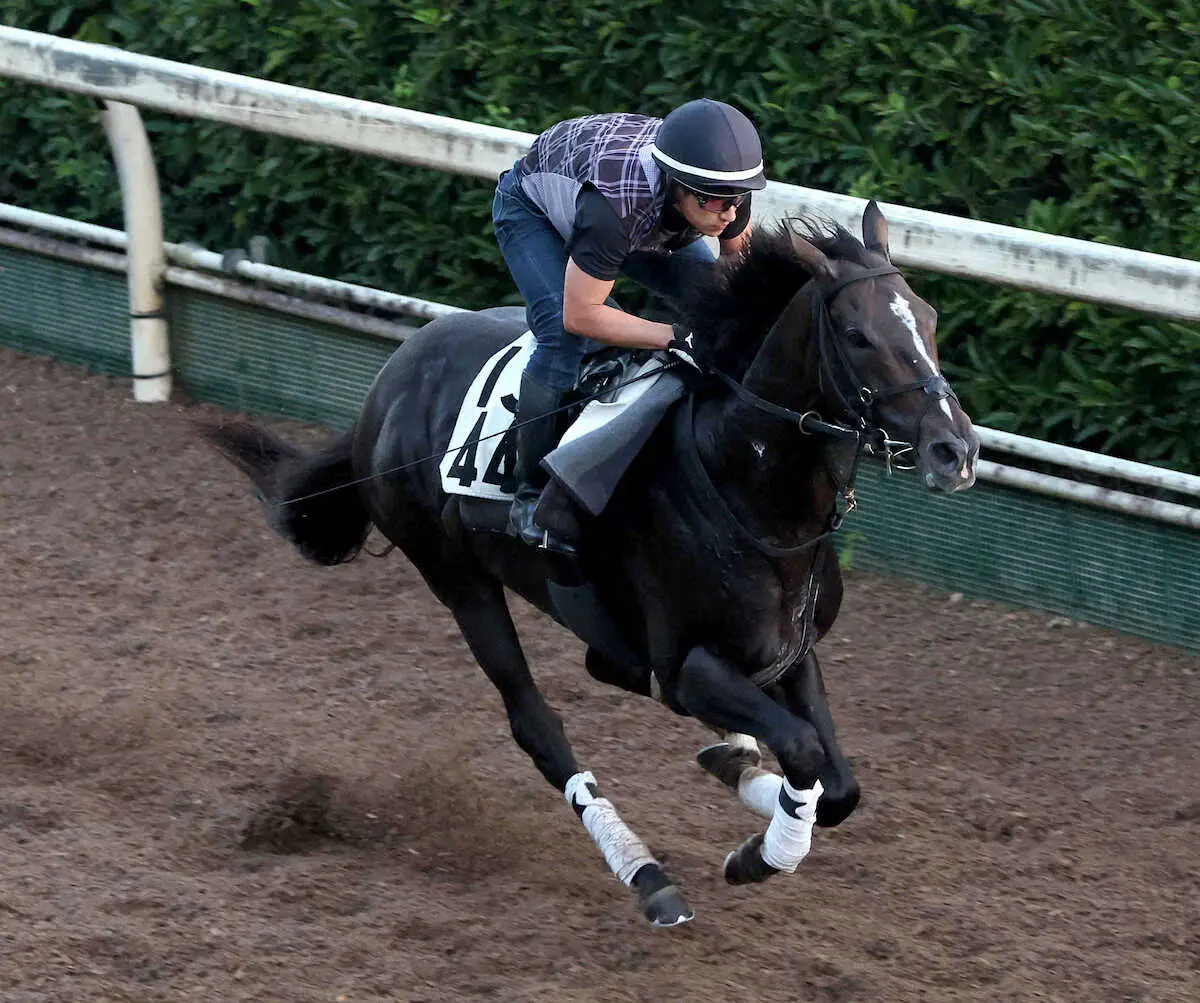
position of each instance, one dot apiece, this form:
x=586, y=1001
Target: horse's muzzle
x=948, y=460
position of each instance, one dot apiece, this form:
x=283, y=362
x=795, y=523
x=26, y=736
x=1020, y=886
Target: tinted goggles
x=718, y=203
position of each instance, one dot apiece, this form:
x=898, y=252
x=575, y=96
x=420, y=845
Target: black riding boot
x=536, y=436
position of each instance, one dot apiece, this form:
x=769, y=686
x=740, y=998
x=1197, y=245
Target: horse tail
x=310, y=495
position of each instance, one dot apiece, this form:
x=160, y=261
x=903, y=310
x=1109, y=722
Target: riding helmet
x=710, y=147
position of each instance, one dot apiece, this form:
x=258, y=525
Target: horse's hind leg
x=478, y=605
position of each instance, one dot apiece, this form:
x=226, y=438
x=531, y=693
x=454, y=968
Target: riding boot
x=537, y=434
x=557, y=513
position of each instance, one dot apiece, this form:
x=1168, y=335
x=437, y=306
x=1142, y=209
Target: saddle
x=618, y=400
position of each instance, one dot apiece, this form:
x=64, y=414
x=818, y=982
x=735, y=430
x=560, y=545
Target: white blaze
x=903, y=310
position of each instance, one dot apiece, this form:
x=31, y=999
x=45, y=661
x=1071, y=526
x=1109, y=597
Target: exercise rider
x=602, y=196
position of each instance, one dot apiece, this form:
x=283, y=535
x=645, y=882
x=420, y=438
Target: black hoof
x=660, y=901
x=745, y=865
x=727, y=762
x=666, y=907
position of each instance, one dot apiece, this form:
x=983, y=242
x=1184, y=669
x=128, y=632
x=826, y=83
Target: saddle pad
x=483, y=449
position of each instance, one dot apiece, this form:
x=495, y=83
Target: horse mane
x=733, y=307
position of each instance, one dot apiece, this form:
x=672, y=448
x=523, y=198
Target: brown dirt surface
x=226, y=774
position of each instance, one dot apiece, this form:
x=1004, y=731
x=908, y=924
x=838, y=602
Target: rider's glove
x=681, y=347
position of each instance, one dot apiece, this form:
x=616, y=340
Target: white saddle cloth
x=483, y=451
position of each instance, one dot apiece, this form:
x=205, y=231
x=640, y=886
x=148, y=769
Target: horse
x=715, y=555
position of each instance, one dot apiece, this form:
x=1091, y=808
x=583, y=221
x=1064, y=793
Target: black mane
x=732, y=310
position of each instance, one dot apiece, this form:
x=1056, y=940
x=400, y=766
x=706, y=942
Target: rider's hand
x=681, y=347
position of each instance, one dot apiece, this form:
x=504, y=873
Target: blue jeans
x=536, y=254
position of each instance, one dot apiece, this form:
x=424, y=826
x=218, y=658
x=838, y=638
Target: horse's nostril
x=946, y=456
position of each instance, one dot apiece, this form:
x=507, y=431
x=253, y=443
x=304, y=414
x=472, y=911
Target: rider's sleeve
x=599, y=241
x=739, y=221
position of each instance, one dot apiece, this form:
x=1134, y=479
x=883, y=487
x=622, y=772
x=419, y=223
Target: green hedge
x=1071, y=117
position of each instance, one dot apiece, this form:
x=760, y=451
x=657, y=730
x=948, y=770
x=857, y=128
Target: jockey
x=601, y=196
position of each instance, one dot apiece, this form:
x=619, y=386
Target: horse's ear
x=875, y=230
x=813, y=259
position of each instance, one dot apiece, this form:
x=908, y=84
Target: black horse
x=714, y=556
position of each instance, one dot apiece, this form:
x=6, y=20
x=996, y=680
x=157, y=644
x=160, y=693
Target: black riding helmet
x=711, y=148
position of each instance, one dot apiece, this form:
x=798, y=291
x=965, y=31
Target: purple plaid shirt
x=609, y=152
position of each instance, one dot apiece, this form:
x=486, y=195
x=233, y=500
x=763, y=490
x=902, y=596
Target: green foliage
x=1071, y=117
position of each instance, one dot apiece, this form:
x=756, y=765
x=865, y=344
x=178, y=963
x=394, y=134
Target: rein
x=695, y=465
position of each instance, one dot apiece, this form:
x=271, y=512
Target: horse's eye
x=857, y=338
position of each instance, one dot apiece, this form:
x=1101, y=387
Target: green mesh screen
x=68, y=311
x=256, y=360
x=996, y=543
x=990, y=543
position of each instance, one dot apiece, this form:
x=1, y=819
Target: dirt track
x=228, y=775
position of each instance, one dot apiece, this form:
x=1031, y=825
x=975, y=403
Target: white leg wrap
x=624, y=852
x=789, y=836
x=739, y=741
x=758, y=790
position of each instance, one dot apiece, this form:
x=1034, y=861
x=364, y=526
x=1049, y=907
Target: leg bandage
x=624, y=852
x=789, y=836
x=759, y=790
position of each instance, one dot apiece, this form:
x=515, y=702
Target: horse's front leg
x=735, y=761
x=713, y=691
x=802, y=691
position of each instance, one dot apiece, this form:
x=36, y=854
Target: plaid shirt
x=609, y=152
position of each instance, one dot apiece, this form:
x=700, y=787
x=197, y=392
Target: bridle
x=859, y=426
x=837, y=377
x=860, y=400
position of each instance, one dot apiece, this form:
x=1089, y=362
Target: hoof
x=745, y=865
x=660, y=901
x=666, y=907
x=727, y=762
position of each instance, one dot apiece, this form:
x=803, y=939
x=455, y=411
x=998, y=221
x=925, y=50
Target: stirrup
x=523, y=526
x=543, y=539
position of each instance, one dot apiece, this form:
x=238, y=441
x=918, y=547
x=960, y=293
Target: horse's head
x=877, y=359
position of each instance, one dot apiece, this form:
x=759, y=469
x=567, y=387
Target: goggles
x=717, y=203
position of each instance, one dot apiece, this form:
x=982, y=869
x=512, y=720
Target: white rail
x=1087, y=462
x=209, y=261
x=1074, y=268
x=208, y=279
x=151, y=350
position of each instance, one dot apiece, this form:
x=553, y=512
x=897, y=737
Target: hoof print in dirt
x=303, y=815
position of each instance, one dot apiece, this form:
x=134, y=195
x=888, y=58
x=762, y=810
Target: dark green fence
x=994, y=543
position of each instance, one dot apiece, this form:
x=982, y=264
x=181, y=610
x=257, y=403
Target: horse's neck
x=775, y=474
x=778, y=372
